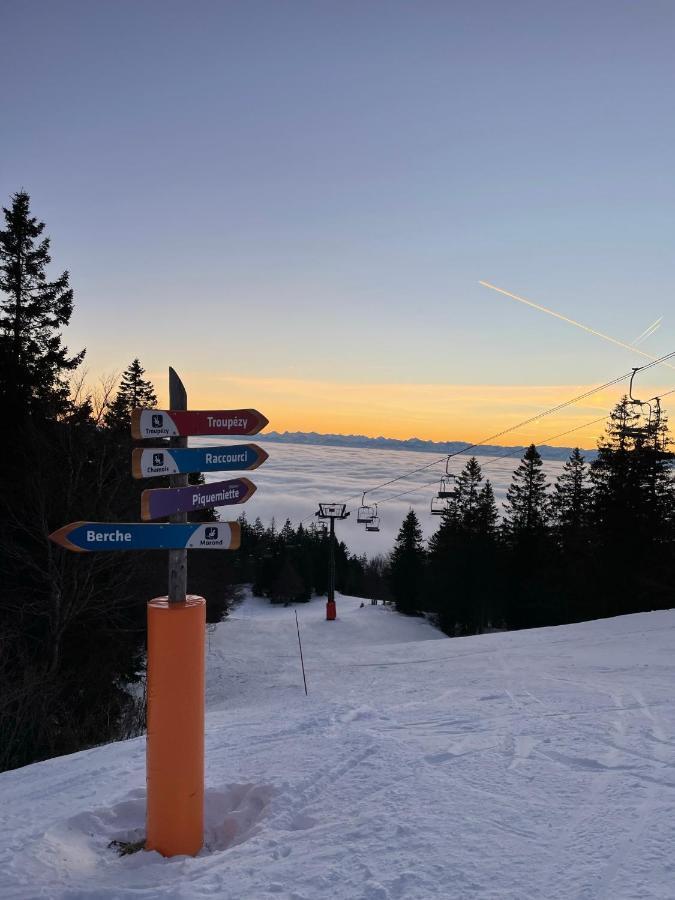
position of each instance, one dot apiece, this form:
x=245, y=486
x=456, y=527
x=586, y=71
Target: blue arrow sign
x=85, y=536
x=147, y=462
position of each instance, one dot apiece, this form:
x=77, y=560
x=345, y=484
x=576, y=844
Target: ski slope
x=536, y=764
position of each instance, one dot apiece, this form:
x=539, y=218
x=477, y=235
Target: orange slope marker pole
x=175, y=741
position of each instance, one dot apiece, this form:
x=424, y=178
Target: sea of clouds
x=297, y=477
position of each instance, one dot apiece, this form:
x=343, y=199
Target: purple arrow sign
x=160, y=502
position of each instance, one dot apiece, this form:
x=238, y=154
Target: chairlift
x=366, y=514
x=374, y=523
x=637, y=431
x=439, y=505
x=445, y=490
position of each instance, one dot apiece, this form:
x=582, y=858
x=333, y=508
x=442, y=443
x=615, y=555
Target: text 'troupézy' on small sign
x=162, y=423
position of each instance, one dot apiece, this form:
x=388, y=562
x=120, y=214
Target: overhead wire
x=547, y=412
x=493, y=459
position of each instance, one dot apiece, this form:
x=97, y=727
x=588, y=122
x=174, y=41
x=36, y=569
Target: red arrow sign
x=163, y=423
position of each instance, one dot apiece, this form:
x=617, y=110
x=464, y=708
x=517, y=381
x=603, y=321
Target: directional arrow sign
x=160, y=502
x=148, y=462
x=162, y=423
x=85, y=536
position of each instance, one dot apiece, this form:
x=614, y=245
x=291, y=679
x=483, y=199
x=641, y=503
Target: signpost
x=151, y=462
x=83, y=537
x=179, y=422
x=160, y=502
x=176, y=622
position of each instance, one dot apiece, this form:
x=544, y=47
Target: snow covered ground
x=536, y=764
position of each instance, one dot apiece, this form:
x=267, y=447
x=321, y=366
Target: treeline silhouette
x=72, y=626
x=599, y=541
x=292, y=564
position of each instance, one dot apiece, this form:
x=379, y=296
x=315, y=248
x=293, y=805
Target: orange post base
x=331, y=612
x=175, y=742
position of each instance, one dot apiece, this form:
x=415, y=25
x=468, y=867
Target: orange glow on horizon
x=426, y=411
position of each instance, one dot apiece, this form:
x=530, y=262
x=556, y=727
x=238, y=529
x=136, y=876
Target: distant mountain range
x=415, y=444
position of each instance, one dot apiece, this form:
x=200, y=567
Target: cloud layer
x=297, y=477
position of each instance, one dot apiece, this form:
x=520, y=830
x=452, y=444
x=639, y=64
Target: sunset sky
x=293, y=203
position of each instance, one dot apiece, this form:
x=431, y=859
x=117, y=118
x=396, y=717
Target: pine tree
x=526, y=500
x=656, y=471
x=618, y=473
x=287, y=533
x=407, y=565
x=486, y=511
x=288, y=585
x=632, y=512
x=570, y=503
x=134, y=391
x=462, y=556
x=33, y=362
x=465, y=496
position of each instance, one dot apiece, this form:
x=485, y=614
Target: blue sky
x=310, y=192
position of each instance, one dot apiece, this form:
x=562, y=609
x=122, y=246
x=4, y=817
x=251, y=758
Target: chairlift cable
x=540, y=415
x=504, y=431
x=494, y=459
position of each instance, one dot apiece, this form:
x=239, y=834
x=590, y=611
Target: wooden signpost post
x=177, y=558
x=176, y=622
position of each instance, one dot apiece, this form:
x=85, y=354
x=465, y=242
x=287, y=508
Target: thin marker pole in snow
x=302, y=662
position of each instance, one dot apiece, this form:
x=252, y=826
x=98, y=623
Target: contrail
x=648, y=332
x=605, y=337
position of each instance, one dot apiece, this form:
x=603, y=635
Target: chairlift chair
x=438, y=505
x=445, y=490
x=366, y=513
x=374, y=523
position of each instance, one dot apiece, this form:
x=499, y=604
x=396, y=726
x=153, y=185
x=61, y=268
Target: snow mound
x=232, y=815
